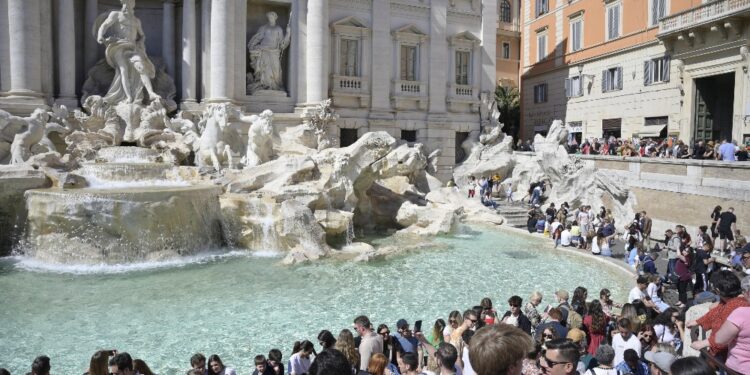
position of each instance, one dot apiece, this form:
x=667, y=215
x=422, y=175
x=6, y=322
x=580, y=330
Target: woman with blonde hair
x=531, y=312
x=345, y=344
x=629, y=311
x=455, y=319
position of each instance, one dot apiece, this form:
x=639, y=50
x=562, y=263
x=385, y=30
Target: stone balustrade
x=702, y=14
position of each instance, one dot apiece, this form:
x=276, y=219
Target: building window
x=540, y=93
x=349, y=56
x=463, y=59
x=576, y=34
x=612, y=79
x=505, y=15
x=574, y=86
x=542, y=7
x=506, y=50
x=614, y=15
x=658, y=11
x=541, y=46
x=409, y=135
x=612, y=127
x=656, y=70
x=409, y=63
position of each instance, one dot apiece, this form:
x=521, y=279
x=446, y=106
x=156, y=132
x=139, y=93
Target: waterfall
x=350, y=233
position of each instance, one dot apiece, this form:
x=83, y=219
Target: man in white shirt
x=371, y=341
x=624, y=340
x=637, y=292
x=565, y=237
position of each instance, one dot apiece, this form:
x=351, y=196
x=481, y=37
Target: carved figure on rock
x=557, y=134
x=123, y=36
x=489, y=115
x=20, y=149
x=259, y=139
x=212, y=148
x=319, y=120
x=266, y=48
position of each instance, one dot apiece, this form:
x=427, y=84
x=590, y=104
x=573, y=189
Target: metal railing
x=702, y=14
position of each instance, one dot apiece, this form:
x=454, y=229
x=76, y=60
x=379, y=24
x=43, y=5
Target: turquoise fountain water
x=240, y=304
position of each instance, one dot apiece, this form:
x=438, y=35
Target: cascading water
x=130, y=212
x=350, y=233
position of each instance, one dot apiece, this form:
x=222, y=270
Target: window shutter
x=544, y=90
x=665, y=68
x=538, y=7
x=580, y=85
x=662, y=8
x=610, y=22
x=647, y=67
x=618, y=80
x=616, y=17
x=654, y=11
x=567, y=88
x=605, y=80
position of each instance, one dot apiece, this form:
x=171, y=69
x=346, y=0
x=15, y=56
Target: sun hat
x=662, y=360
x=576, y=335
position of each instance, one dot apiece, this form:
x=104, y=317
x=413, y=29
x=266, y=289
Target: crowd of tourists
x=669, y=147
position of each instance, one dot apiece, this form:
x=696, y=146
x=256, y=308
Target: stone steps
x=516, y=215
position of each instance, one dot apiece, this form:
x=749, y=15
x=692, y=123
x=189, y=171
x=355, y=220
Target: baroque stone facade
x=412, y=68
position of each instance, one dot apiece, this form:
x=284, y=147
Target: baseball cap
x=662, y=360
x=401, y=323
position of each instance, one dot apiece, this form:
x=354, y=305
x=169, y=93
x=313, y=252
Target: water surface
x=238, y=305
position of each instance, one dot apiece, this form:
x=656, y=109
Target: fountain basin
x=93, y=226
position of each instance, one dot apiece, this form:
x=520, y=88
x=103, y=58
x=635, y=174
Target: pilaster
x=438, y=55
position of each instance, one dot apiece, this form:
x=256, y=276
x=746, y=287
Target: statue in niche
x=266, y=49
x=123, y=36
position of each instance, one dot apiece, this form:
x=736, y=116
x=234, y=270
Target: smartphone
x=418, y=326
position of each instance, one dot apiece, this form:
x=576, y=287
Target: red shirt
x=715, y=317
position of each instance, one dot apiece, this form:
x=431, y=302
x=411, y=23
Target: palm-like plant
x=508, y=103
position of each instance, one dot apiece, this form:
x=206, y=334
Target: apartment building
x=644, y=68
x=508, y=49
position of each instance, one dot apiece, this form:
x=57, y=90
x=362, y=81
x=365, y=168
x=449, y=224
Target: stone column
x=317, y=50
x=488, y=77
x=382, y=65
x=66, y=54
x=25, y=48
x=189, y=50
x=90, y=46
x=167, y=36
x=222, y=21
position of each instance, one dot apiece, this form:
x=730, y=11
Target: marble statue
x=259, y=138
x=212, y=148
x=123, y=37
x=319, y=120
x=266, y=49
x=20, y=149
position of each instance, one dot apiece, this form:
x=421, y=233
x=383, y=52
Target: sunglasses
x=512, y=305
x=549, y=363
x=472, y=320
x=385, y=333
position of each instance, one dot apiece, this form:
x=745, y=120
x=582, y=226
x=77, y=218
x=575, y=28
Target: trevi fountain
x=129, y=224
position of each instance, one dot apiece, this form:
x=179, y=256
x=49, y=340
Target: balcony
x=463, y=98
x=512, y=27
x=409, y=95
x=348, y=91
x=703, y=16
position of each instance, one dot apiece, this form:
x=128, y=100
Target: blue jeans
x=670, y=267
